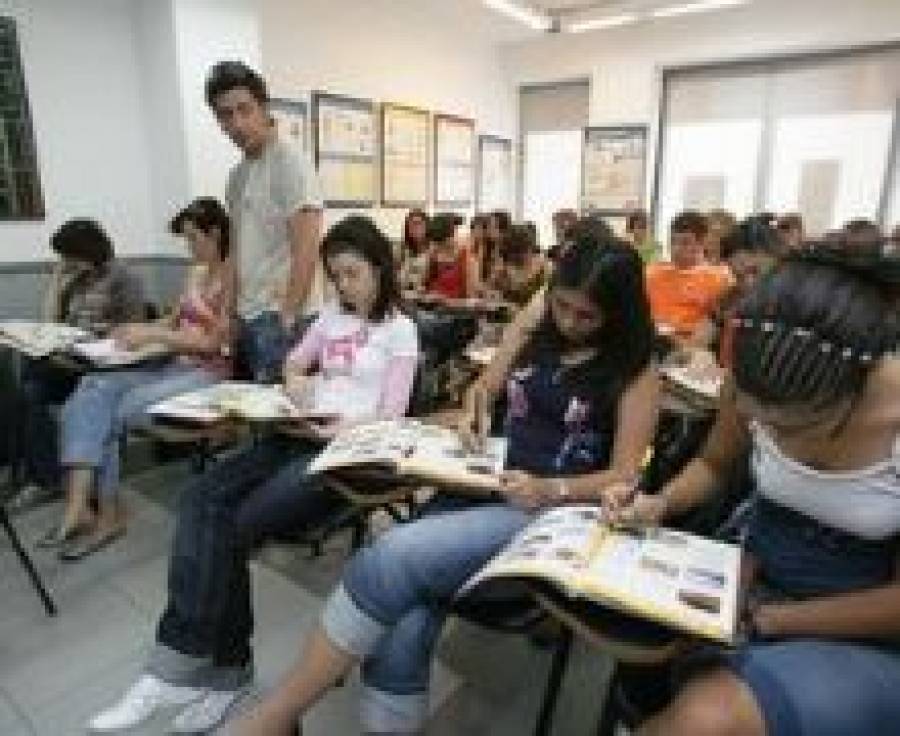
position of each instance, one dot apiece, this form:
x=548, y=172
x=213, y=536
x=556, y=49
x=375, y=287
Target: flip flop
x=78, y=550
x=56, y=537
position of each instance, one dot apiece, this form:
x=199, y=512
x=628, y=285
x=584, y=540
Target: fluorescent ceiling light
x=695, y=7
x=596, y=24
x=529, y=17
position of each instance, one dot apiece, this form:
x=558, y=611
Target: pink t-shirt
x=365, y=370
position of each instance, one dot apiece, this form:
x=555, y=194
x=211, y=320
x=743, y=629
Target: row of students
x=104, y=405
x=581, y=394
x=814, y=399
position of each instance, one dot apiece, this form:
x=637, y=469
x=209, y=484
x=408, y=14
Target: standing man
x=276, y=214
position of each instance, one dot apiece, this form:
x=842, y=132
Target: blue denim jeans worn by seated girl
x=394, y=596
x=818, y=687
x=104, y=405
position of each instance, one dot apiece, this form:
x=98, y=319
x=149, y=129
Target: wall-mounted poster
x=454, y=161
x=613, y=166
x=405, y=135
x=344, y=130
x=495, y=173
x=291, y=120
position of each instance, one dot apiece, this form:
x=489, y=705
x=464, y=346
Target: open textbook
x=107, y=353
x=40, y=339
x=249, y=401
x=410, y=448
x=673, y=578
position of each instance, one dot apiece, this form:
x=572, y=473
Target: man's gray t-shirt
x=263, y=194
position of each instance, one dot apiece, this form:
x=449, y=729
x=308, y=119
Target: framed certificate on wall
x=613, y=168
x=344, y=134
x=405, y=137
x=454, y=161
x=291, y=121
x=495, y=173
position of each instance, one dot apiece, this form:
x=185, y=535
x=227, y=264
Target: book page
x=415, y=449
x=39, y=339
x=250, y=401
x=556, y=546
x=107, y=353
x=670, y=577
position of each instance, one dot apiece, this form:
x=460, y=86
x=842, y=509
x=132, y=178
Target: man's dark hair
x=228, y=75
x=360, y=236
x=206, y=214
x=83, y=239
x=690, y=221
x=635, y=219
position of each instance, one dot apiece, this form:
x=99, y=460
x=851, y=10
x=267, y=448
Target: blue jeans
x=261, y=346
x=815, y=687
x=42, y=385
x=203, y=638
x=105, y=405
x=389, y=609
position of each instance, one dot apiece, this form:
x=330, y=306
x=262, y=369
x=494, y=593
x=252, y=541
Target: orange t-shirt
x=682, y=298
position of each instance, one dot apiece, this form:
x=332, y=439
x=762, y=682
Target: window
x=810, y=134
x=551, y=118
x=20, y=190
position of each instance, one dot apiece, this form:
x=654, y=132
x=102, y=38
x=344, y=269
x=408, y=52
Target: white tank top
x=864, y=503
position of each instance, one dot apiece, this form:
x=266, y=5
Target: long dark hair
x=611, y=274
x=360, y=236
x=810, y=332
x=409, y=247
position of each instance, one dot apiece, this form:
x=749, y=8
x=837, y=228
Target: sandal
x=79, y=549
x=57, y=536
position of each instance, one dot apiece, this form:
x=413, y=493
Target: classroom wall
x=385, y=50
x=624, y=64
x=82, y=75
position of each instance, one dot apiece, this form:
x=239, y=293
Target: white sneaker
x=142, y=700
x=204, y=715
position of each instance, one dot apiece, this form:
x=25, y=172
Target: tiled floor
x=55, y=673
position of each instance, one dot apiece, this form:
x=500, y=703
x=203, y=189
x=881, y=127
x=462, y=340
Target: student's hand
x=644, y=510
x=618, y=495
x=524, y=490
x=131, y=336
x=297, y=386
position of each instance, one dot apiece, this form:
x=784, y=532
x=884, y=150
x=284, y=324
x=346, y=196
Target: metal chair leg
x=27, y=563
x=610, y=715
x=554, y=683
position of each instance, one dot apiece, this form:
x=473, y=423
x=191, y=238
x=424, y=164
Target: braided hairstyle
x=810, y=332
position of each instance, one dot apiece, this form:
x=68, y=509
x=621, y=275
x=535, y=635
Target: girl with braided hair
x=816, y=396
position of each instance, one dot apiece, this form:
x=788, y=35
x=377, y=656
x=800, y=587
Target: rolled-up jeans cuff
x=392, y=713
x=348, y=627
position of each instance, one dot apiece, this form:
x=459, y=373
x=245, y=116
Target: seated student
x=790, y=232
x=862, y=235
x=97, y=414
x=524, y=270
x=637, y=228
x=816, y=397
x=414, y=251
x=582, y=405
x=366, y=353
x=89, y=289
x=478, y=247
x=452, y=272
x=750, y=250
x=498, y=222
x=685, y=291
x=719, y=224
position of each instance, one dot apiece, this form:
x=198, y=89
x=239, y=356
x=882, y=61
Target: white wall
x=83, y=85
x=625, y=64
x=389, y=51
x=207, y=31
